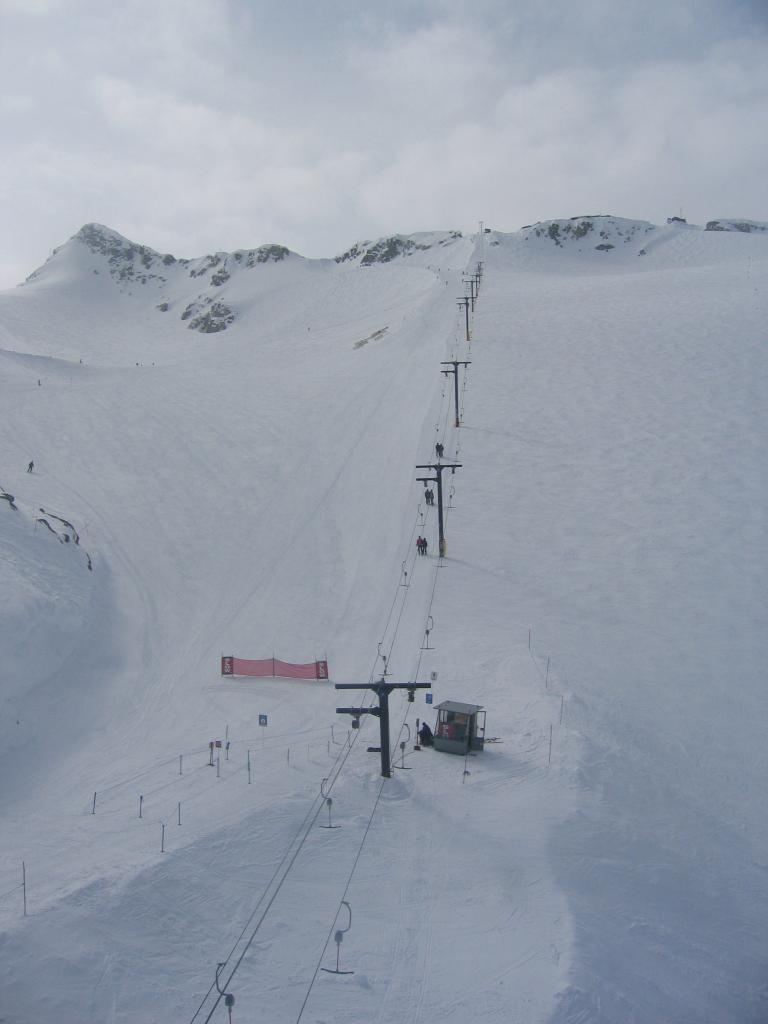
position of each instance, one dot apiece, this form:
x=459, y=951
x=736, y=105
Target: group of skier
x=429, y=496
x=421, y=545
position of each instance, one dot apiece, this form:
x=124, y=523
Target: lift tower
x=455, y=363
x=438, y=479
x=382, y=691
x=464, y=301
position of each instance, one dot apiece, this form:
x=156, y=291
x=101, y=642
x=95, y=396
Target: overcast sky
x=201, y=125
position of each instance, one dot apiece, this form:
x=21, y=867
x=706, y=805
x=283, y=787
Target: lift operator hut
x=460, y=727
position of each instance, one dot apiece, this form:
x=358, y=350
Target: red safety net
x=265, y=667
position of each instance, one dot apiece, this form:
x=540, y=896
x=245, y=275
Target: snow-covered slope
x=248, y=487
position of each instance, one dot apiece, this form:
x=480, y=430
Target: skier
x=30, y=467
x=423, y=545
x=419, y=542
x=439, y=450
x=425, y=735
x=430, y=497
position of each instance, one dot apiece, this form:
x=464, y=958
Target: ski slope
x=252, y=491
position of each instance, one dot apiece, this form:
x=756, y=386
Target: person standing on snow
x=30, y=467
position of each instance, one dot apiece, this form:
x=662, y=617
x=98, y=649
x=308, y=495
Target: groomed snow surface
x=253, y=492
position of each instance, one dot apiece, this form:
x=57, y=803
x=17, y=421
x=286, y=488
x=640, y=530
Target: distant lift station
x=460, y=727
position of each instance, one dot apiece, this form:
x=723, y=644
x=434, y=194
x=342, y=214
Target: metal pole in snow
x=549, y=762
x=180, y=756
x=24, y=885
x=141, y=801
x=179, y=821
x=249, y=767
x=94, y=804
x=455, y=363
x=162, y=838
x=218, y=766
x=546, y=678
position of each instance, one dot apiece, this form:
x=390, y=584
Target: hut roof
x=462, y=709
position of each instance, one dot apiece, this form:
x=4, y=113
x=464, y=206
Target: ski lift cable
x=394, y=600
x=314, y=811
x=334, y=774
x=271, y=900
x=320, y=801
x=305, y=826
x=342, y=900
x=340, y=767
x=362, y=842
x=404, y=601
x=338, y=770
x=411, y=560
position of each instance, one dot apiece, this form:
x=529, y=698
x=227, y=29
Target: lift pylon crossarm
x=358, y=711
x=380, y=683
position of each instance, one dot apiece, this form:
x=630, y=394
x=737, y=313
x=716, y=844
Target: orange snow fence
x=265, y=667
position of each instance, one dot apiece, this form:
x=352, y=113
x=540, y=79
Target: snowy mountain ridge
x=204, y=293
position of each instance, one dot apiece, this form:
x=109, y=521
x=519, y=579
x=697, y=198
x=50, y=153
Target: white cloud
x=194, y=125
